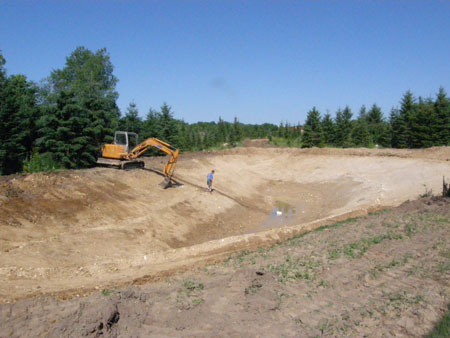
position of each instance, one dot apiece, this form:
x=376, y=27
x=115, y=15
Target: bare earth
x=68, y=234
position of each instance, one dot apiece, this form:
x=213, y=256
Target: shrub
x=39, y=162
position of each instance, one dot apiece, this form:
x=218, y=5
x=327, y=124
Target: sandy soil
x=73, y=232
x=383, y=275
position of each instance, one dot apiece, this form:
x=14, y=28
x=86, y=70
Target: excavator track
x=126, y=165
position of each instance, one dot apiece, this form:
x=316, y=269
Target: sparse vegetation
x=442, y=328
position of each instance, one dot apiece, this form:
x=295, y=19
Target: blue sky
x=262, y=61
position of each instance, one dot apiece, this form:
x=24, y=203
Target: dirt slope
x=384, y=275
x=73, y=232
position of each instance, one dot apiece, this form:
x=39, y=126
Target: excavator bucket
x=167, y=183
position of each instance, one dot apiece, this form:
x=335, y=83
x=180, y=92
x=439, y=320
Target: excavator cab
x=126, y=139
x=124, y=142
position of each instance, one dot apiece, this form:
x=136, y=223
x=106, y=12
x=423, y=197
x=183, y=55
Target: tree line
x=418, y=123
x=63, y=121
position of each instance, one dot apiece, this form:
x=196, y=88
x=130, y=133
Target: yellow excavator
x=126, y=150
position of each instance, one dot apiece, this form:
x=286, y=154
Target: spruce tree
x=399, y=130
x=343, y=128
x=328, y=129
x=375, y=122
x=222, y=132
x=442, y=113
x=237, y=130
x=18, y=116
x=313, y=133
x=151, y=125
x=131, y=121
x=86, y=116
x=422, y=125
x=407, y=107
x=169, y=130
x=360, y=133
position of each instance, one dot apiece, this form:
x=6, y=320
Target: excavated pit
x=72, y=232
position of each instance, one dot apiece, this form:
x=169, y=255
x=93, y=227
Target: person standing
x=209, y=180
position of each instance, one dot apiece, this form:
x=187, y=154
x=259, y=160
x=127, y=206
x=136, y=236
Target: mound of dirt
x=72, y=232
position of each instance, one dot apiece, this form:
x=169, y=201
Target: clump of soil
x=386, y=274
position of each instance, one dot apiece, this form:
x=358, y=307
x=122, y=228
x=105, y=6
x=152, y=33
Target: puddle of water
x=282, y=214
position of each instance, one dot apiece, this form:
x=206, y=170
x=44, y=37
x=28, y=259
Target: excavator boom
x=142, y=147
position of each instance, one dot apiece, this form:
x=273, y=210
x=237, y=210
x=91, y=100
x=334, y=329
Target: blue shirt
x=210, y=177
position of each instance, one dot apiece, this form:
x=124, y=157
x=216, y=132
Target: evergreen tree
x=407, y=107
x=280, y=130
x=83, y=94
x=18, y=116
x=360, y=130
x=168, y=125
x=374, y=116
x=237, y=130
x=328, y=129
x=399, y=131
x=151, y=126
x=343, y=128
x=131, y=121
x=422, y=124
x=222, y=132
x=312, y=133
x=442, y=113
x=67, y=132
x=384, y=137
x=362, y=116
x=376, y=125
x=360, y=133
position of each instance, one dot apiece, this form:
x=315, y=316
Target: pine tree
x=68, y=133
x=81, y=108
x=362, y=116
x=399, y=131
x=312, y=133
x=169, y=130
x=422, y=124
x=407, y=108
x=328, y=129
x=442, y=113
x=375, y=122
x=151, y=126
x=18, y=116
x=237, y=130
x=131, y=121
x=360, y=133
x=374, y=116
x=222, y=132
x=280, y=130
x=343, y=128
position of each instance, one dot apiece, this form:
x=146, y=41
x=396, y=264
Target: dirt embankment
x=386, y=274
x=73, y=232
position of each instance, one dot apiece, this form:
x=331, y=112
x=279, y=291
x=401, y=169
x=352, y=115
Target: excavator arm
x=142, y=147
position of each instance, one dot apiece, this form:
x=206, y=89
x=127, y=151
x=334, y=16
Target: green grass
x=294, y=269
x=442, y=329
x=190, y=286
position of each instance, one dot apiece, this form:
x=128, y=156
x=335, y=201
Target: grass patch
x=334, y=254
x=410, y=229
x=379, y=212
x=359, y=248
x=294, y=269
x=442, y=328
x=190, y=286
x=443, y=267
